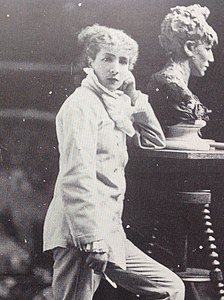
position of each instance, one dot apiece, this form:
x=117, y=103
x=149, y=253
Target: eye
x=123, y=61
x=107, y=59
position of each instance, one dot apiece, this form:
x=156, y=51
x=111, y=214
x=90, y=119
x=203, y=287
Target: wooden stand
x=184, y=166
x=188, y=200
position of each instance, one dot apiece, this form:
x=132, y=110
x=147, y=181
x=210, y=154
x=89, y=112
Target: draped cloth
x=117, y=104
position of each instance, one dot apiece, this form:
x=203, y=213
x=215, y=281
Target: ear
x=189, y=48
x=90, y=60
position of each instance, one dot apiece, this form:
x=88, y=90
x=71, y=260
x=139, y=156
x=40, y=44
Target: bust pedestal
x=185, y=136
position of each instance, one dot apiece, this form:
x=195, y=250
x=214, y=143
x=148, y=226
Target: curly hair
x=93, y=38
x=185, y=23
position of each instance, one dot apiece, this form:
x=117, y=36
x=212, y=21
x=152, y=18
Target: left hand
x=97, y=262
x=129, y=87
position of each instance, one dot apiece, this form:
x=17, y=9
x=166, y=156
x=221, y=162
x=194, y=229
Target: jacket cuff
x=96, y=247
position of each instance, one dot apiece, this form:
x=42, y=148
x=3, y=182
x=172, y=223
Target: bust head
x=186, y=24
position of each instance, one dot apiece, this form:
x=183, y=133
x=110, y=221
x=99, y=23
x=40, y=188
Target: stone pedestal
x=186, y=137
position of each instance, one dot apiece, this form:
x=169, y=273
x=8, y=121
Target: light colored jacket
x=88, y=198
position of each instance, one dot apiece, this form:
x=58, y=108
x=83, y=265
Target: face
x=202, y=56
x=111, y=67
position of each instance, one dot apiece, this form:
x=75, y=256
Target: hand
x=97, y=262
x=129, y=87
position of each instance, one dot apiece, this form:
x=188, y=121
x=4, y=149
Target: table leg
x=216, y=273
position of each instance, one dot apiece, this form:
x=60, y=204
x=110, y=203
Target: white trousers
x=74, y=280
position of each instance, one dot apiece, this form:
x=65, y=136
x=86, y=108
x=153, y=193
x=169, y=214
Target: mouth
x=112, y=79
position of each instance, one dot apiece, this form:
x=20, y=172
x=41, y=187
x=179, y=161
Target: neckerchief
x=117, y=104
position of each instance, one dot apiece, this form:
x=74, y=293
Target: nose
x=211, y=57
x=114, y=68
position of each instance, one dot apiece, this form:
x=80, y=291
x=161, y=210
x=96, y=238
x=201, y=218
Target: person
x=83, y=224
x=188, y=40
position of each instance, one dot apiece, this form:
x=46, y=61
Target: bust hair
x=185, y=23
x=94, y=38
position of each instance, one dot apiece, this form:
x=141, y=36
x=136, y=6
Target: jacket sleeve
x=149, y=133
x=77, y=129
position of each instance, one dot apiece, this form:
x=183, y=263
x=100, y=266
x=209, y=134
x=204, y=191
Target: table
x=183, y=154
x=185, y=163
x=190, y=174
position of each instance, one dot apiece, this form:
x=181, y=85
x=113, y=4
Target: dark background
x=38, y=33
x=38, y=71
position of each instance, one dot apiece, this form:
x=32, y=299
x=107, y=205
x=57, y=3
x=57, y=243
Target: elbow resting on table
x=156, y=141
